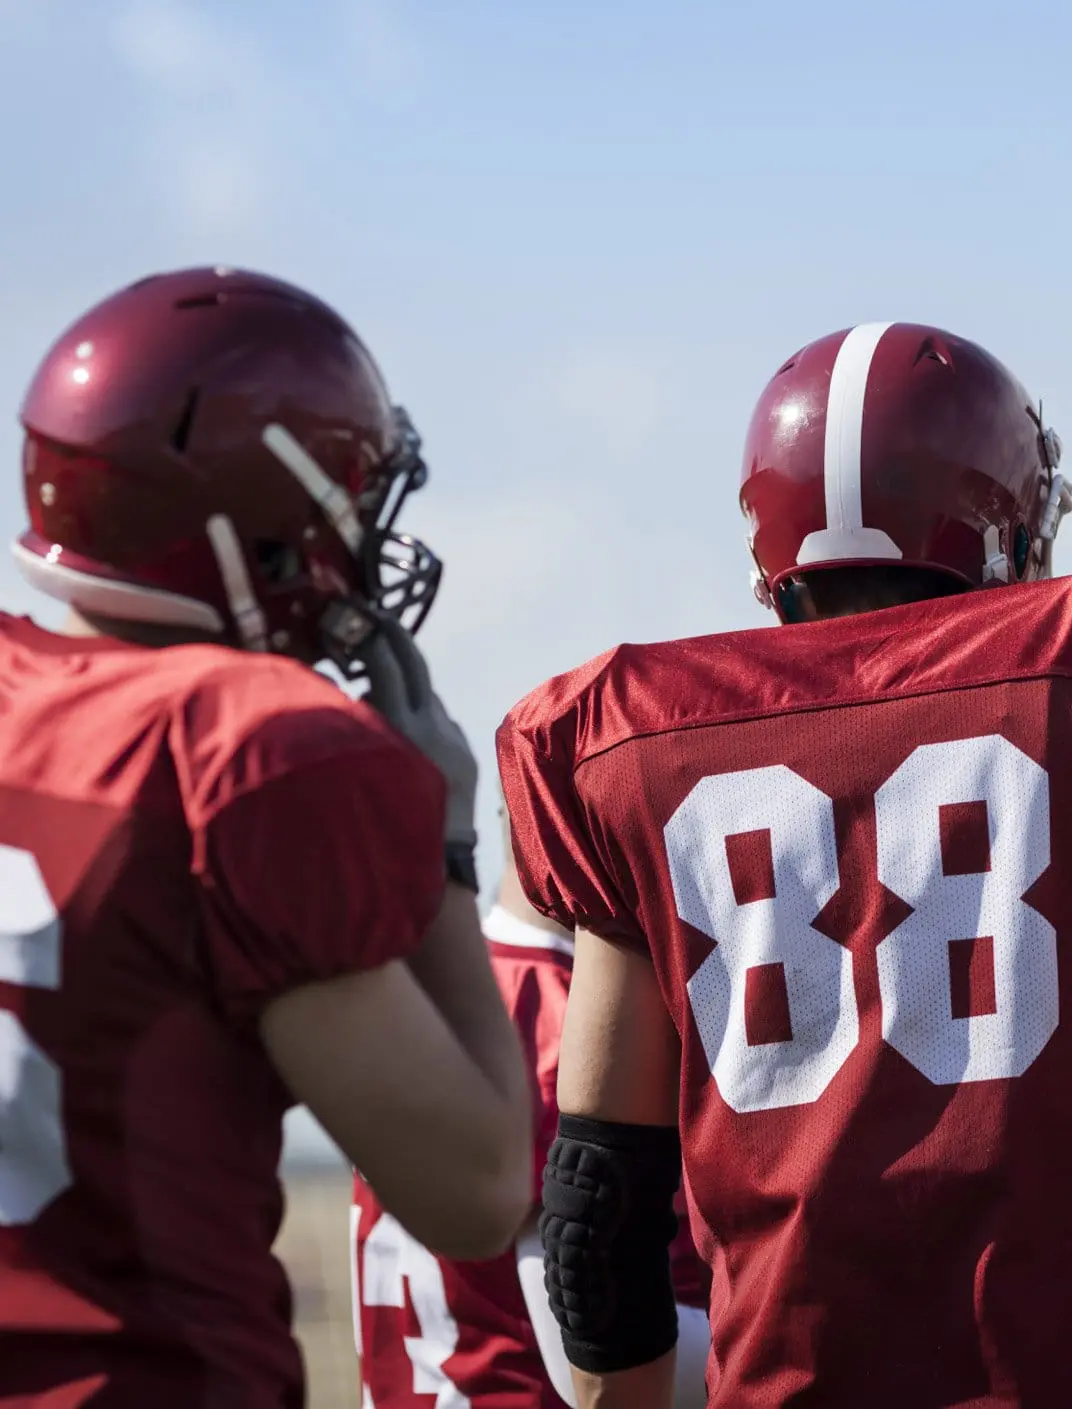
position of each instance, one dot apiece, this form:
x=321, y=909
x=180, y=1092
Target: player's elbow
x=470, y=1194
x=486, y=1223
x=498, y=1195
x=509, y=1208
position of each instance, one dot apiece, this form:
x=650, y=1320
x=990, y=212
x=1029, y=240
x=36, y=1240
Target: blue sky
x=579, y=238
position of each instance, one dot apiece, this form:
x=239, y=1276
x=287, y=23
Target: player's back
x=844, y=845
x=139, y=1116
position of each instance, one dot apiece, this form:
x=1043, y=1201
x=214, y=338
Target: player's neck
x=137, y=633
x=75, y=624
x=511, y=898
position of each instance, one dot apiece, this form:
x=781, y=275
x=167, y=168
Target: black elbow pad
x=607, y=1224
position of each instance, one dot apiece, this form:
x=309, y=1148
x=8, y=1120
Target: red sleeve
x=559, y=845
x=323, y=868
x=553, y=980
x=543, y=1037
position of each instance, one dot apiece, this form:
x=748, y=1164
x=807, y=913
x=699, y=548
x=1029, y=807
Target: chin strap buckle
x=760, y=586
x=1058, y=504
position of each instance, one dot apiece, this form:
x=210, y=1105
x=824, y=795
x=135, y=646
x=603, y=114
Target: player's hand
x=400, y=687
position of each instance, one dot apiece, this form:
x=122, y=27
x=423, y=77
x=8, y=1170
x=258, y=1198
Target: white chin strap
x=332, y=498
x=760, y=589
x=1059, y=502
x=248, y=617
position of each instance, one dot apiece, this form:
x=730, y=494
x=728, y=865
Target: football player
x=822, y=917
x=224, y=886
x=481, y=1334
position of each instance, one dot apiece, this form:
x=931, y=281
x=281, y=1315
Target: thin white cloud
x=218, y=99
x=166, y=44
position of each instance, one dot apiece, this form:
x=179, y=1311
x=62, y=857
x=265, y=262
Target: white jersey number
x=914, y=960
x=392, y=1260
x=33, y=1150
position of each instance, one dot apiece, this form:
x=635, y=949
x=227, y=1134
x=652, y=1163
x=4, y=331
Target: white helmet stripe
x=845, y=425
x=845, y=536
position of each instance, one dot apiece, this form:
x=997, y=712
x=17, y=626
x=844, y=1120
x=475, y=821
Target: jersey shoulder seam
x=852, y=702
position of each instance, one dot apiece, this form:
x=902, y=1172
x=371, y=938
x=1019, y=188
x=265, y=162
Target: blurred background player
x=818, y=929
x=224, y=880
x=482, y=1334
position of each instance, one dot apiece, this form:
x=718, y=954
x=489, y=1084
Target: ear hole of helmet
x=277, y=563
x=1021, y=550
x=791, y=600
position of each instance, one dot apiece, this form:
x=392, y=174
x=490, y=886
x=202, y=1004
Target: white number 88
x=913, y=961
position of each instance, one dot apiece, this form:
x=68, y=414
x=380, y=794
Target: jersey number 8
x=394, y=1261
x=914, y=961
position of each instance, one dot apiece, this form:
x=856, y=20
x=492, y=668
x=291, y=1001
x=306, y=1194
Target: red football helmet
x=216, y=450
x=896, y=443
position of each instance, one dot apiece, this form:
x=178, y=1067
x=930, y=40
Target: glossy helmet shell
x=899, y=443
x=216, y=450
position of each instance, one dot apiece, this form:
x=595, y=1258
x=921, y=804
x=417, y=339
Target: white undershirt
x=504, y=928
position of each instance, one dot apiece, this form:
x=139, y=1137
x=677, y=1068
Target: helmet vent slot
x=931, y=350
x=181, y=437
x=200, y=301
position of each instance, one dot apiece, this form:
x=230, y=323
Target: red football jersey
x=184, y=835
x=438, y=1334
x=840, y=844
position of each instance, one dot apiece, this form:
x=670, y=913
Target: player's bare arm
x=377, y=1063
x=452, y=963
x=452, y=967
x=620, y=1053
x=618, y=1094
